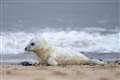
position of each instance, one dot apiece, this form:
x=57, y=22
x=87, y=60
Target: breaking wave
x=84, y=41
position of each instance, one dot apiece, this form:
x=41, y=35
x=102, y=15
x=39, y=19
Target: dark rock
x=25, y=63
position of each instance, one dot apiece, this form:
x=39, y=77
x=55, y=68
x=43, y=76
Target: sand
x=69, y=72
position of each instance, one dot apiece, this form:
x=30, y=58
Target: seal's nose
x=25, y=49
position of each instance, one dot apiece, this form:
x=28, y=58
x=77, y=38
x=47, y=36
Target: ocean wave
x=84, y=41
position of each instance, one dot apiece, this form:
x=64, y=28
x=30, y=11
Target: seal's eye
x=32, y=44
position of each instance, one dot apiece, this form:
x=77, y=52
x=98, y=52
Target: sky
x=74, y=13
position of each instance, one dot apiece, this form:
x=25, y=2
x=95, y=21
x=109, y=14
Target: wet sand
x=69, y=72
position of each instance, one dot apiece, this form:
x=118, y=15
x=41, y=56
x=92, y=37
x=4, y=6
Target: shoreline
x=32, y=58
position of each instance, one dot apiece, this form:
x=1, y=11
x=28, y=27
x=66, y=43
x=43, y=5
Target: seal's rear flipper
x=96, y=62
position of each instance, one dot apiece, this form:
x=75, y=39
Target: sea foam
x=84, y=41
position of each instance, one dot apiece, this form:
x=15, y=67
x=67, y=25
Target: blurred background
x=89, y=26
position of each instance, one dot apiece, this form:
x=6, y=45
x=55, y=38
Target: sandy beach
x=70, y=72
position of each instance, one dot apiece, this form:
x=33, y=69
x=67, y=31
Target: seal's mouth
x=27, y=49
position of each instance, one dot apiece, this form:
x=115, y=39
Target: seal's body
x=56, y=55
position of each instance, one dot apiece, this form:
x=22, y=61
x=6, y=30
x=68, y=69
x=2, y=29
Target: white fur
x=55, y=55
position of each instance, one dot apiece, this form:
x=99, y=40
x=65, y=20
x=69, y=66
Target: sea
x=91, y=27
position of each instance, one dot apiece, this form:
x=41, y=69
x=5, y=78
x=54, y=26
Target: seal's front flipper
x=51, y=61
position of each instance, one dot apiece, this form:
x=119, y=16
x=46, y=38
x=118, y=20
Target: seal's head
x=36, y=44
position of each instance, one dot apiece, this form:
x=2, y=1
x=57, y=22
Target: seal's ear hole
x=32, y=44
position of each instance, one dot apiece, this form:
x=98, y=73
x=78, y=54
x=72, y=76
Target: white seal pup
x=56, y=55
